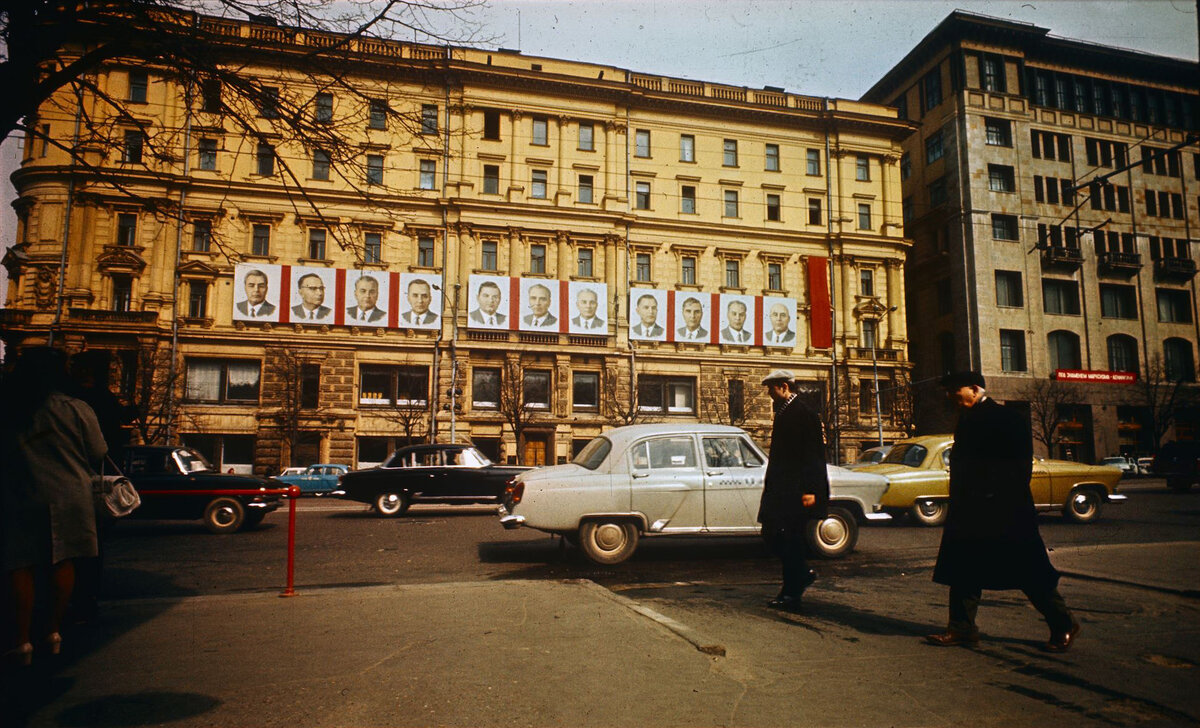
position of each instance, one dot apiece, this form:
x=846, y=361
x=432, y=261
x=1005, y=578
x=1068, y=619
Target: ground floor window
x=666, y=394
x=225, y=452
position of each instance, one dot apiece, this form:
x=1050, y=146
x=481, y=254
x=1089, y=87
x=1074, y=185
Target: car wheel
x=391, y=504
x=1179, y=485
x=224, y=515
x=608, y=542
x=1083, y=505
x=929, y=512
x=833, y=536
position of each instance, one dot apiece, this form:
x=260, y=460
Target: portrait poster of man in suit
x=420, y=302
x=589, y=308
x=647, y=314
x=692, y=317
x=737, y=319
x=539, y=305
x=779, y=322
x=364, y=294
x=310, y=287
x=488, y=300
x=257, y=287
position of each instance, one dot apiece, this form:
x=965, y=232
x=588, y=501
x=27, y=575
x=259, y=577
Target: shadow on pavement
x=136, y=709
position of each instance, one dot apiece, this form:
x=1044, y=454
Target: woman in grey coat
x=50, y=442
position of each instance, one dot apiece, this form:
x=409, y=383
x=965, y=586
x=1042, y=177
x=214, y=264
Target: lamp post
x=875, y=374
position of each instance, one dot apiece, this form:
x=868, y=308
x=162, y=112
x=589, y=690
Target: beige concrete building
x=1051, y=196
x=517, y=251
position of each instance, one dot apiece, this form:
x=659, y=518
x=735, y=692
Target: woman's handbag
x=114, y=494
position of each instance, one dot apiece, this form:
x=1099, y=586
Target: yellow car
x=918, y=473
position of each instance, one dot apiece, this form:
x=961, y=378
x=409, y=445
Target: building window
x=814, y=211
x=992, y=73
x=866, y=282
x=1060, y=296
x=127, y=228
x=731, y=203
x=869, y=328
x=772, y=157
x=491, y=179
x=812, y=164
x=1005, y=227
x=536, y=389
x=377, y=114
x=774, y=277
x=905, y=166
x=139, y=82
x=207, y=152
x=864, y=216
x=222, y=381
x=946, y=352
x=1012, y=350
x=540, y=135
x=537, y=258
x=1000, y=178
x=641, y=143
x=945, y=296
x=428, y=178
x=931, y=89
x=485, y=388
x=260, y=240
x=1064, y=350
x=1178, y=362
x=488, y=255
x=401, y=386
x=268, y=102
x=265, y=159
x=687, y=148
x=666, y=394
x=730, y=158
x=122, y=293
x=641, y=199
x=1122, y=353
x=491, y=125
x=197, y=299
x=374, y=169
x=538, y=189
x=429, y=119
x=316, y=244
x=373, y=248
x=641, y=269
x=310, y=385
x=998, y=132
x=210, y=96
x=425, y=251
x=201, y=236
x=323, y=108
x=587, y=136
x=585, y=188
x=583, y=260
x=773, y=208
x=320, y=164
x=687, y=270
x=585, y=391
x=131, y=152
x=1118, y=301
x=1009, y=292
x=934, y=149
x=687, y=200
x=862, y=168
x=1174, y=306
x=733, y=273
x=937, y=192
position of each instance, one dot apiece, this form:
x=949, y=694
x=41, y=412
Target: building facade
x=1052, y=198
x=461, y=244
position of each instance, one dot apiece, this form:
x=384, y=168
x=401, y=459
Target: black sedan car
x=168, y=478
x=428, y=474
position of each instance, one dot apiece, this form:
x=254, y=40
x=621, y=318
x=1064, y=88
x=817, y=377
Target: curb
x=698, y=640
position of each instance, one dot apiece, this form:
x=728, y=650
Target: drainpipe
x=433, y=410
x=187, y=162
x=835, y=425
x=62, y=258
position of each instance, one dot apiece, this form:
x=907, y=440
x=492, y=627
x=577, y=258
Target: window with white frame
x=538, y=184
x=587, y=136
x=687, y=148
x=428, y=178
x=771, y=157
x=223, y=381
x=674, y=395
x=398, y=385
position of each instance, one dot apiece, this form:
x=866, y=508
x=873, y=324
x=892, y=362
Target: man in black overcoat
x=795, y=487
x=990, y=539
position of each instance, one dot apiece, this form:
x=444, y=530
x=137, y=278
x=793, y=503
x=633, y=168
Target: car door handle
x=714, y=473
x=639, y=475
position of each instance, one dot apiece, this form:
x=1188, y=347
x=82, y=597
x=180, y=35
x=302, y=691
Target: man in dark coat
x=991, y=539
x=795, y=487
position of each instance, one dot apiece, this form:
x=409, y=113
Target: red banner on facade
x=1083, y=375
x=820, y=322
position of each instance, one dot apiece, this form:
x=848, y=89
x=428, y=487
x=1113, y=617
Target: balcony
x=15, y=316
x=1126, y=264
x=864, y=352
x=113, y=317
x=1062, y=257
x=1183, y=269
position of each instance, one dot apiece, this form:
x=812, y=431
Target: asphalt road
x=341, y=543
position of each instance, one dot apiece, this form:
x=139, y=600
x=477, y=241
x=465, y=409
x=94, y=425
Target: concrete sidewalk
x=1169, y=567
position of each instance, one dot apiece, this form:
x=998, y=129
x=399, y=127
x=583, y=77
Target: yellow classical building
x=281, y=264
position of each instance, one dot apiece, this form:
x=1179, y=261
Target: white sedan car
x=672, y=479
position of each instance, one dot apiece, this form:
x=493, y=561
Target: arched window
x=1122, y=353
x=1178, y=363
x=1064, y=350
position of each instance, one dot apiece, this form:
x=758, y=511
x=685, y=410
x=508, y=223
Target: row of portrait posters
x=299, y=294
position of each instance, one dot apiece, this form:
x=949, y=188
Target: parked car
x=316, y=479
x=918, y=474
x=428, y=474
x=1178, y=462
x=672, y=479
x=870, y=456
x=1127, y=465
x=167, y=479
x=294, y=470
x=1146, y=466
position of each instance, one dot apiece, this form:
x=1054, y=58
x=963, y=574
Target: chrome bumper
x=339, y=493
x=508, y=520
x=1115, y=498
x=877, y=516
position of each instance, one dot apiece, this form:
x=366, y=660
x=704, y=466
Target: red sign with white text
x=1081, y=375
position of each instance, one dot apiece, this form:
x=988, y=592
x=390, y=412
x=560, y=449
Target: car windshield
x=470, y=458
x=593, y=453
x=191, y=461
x=910, y=454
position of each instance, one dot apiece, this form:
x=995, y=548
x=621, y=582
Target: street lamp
x=875, y=374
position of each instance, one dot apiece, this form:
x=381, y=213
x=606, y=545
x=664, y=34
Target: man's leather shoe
x=786, y=603
x=953, y=638
x=1062, y=642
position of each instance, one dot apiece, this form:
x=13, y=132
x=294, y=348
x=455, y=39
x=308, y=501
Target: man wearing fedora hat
x=991, y=539
x=795, y=487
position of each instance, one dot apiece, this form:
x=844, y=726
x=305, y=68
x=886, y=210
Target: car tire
x=1179, y=485
x=224, y=515
x=930, y=512
x=1083, y=505
x=390, y=504
x=833, y=536
x=608, y=542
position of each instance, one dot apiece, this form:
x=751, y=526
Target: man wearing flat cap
x=795, y=487
x=991, y=538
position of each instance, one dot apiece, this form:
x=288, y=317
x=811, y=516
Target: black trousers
x=788, y=543
x=964, y=602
